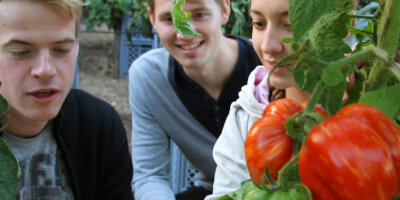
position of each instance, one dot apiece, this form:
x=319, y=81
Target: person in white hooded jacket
x=270, y=25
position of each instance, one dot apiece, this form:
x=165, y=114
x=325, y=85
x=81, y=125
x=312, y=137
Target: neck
x=214, y=74
x=295, y=94
x=23, y=128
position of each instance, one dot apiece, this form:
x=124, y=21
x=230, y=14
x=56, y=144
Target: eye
x=19, y=53
x=62, y=50
x=287, y=27
x=199, y=15
x=258, y=25
x=167, y=19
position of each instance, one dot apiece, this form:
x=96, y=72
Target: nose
x=182, y=37
x=43, y=68
x=272, y=41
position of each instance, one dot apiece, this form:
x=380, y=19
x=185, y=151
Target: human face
x=270, y=25
x=38, y=52
x=207, y=18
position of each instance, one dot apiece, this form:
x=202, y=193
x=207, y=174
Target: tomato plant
x=354, y=153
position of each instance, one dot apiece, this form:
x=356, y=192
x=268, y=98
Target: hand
x=349, y=84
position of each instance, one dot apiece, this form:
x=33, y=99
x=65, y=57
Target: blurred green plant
x=109, y=12
x=239, y=21
x=140, y=19
x=10, y=171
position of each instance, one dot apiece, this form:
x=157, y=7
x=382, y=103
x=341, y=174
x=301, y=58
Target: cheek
x=257, y=39
x=164, y=29
x=68, y=68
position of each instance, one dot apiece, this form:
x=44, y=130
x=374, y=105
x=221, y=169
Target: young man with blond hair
x=69, y=144
x=182, y=92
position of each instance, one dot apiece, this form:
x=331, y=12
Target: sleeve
x=229, y=154
x=150, y=144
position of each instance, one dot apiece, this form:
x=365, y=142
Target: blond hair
x=69, y=9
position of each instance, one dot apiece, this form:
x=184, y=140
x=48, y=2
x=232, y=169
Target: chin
x=45, y=114
x=282, y=83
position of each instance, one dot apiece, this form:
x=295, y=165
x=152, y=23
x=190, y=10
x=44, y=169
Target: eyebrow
x=283, y=13
x=22, y=42
x=202, y=8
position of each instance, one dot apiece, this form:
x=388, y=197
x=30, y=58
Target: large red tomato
x=354, y=154
x=267, y=141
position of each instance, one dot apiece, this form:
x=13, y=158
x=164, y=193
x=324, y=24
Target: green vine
x=10, y=171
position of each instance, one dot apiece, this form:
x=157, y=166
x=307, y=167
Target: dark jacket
x=94, y=145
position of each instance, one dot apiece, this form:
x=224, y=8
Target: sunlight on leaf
x=181, y=19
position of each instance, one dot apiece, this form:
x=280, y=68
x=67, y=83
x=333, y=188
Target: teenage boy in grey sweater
x=183, y=92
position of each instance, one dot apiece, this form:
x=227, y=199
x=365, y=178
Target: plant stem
x=282, y=180
x=318, y=90
x=281, y=174
x=371, y=52
x=362, y=16
x=387, y=41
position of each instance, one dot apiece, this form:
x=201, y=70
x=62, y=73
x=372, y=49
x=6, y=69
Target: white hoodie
x=228, y=151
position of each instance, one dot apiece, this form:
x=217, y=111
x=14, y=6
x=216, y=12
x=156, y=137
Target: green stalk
x=361, y=16
x=371, y=52
x=387, y=41
x=318, y=90
x=282, y=180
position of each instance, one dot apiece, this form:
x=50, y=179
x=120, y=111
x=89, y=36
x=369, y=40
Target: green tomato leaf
x=3, y=105
x=10, y=172
x=385, y=99
x=335, y=83
x=304, y=13
x=246, y=187
x=331, y=99
x=332, y=76
x=181, y=19
x=327, y=37
x=304, y=78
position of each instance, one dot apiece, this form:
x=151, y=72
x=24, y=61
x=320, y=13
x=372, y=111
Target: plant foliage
x=109, y=12
x=324, y=60
x=10, y=171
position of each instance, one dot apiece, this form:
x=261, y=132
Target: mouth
x=191, y=46
x=43, y=93
x=271, y=65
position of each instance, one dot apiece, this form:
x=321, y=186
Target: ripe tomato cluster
x=354, y=154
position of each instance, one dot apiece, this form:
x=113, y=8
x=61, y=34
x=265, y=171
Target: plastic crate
x=76, y=80
x=132, y=48
x=182, y=174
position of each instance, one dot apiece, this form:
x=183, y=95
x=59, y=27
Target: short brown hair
x=151, y=4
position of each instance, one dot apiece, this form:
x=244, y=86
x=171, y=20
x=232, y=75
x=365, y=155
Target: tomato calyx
x=300, y=124
x=288, y=184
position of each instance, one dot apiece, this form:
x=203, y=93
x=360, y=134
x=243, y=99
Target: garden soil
x=97, y=73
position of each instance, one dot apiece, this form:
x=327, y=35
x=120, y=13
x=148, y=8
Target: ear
x=226, y=11
x=151, y=17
